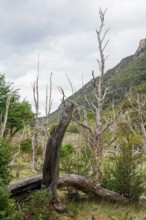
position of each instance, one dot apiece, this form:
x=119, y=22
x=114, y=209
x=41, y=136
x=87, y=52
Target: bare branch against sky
x=63, y=32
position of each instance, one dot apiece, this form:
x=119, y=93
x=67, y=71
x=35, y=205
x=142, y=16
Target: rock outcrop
x=141, y=50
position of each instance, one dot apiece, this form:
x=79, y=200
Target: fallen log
x=76, y=181
x=20, y=188
x=83, y=184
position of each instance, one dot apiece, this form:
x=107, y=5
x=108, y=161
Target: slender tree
x=4, y=123
x=36, y=102
x=47, y=112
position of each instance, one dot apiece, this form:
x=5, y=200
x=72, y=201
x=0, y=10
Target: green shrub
x=124, y=175
x=7, y=205
x=4, y=200
x=76, y=161
x=66, y=150
x=38, y=207
x=73, y=128
x=5, y=159
x=26, y=146
x=40, y=150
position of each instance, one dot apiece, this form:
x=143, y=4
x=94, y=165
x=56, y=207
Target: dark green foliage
x=66, y=150
x=40, y=150
x=26, y=146
x=20, y=113
x=123, y=175
x=37, y=207
x=76, y=161
x=7, y=205
x=4, y=201
x=73, y=128
x=5, y=159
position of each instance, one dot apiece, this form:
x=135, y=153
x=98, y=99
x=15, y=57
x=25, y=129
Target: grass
x=25, y=171
x=85, y=208
x=23, y=162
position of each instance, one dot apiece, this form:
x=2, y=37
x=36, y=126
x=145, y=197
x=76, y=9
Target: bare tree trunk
x=100, y=93
x=138, y=105
x=47, y=111
x=6, y=114
x=144, y=136
x=35, y=138
x=51, y=162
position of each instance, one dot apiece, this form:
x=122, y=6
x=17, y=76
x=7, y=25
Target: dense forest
x=86, y=160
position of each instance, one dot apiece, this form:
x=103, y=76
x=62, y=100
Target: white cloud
x=63, y=32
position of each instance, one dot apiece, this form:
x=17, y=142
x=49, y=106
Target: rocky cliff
x=141, y=50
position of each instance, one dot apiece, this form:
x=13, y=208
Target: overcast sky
x=63, y=33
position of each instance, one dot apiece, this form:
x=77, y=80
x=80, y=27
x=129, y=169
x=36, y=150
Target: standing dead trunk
x=47, y=111
x=51, y=162
x=36, y=129
x=144, y=136
x=3, y=127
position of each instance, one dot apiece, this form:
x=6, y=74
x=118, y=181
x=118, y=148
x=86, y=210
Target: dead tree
x=96, y=131
x=138, y=103
x=51, y=162
x=47, y=113
x=100, y=93
x=95, y=136
x=36, y=102
x=6, y=114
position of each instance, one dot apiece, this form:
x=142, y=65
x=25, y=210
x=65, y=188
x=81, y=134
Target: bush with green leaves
x=73, y=128
x=7, y=205
x=5, y=159
x=37, y=206
x=26, y=146
x=124, y=174
x=20, y=112
x=4, y=200
x=76, y=161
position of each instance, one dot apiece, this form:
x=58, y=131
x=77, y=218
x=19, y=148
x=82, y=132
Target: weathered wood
x=51, y=161
x=76, y=181
x=25, y=186
x=83, y=184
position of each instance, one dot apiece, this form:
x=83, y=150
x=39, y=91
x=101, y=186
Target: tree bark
x=76, y=181
x=36, y=129
x=3, y=126
x=51, y=162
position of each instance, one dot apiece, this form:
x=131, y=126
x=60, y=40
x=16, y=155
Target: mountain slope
x=131, y=71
